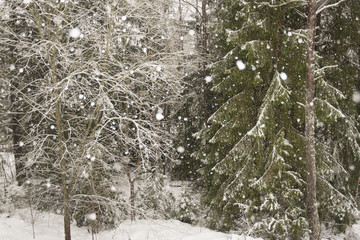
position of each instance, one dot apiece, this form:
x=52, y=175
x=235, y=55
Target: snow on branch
x=337, y=192
x=329, y=87
x=324, y=6
x=279, y=5
x=276, y=90
x=333, y=110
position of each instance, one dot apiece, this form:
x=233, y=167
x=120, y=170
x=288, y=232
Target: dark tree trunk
x=204, y=41
x=17, y=132
x=132, y=200
x=61, y=147
x=312, y=211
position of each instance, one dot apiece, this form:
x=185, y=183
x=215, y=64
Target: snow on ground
x=18, y=226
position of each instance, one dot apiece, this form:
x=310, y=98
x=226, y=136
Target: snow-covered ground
x=48, y=226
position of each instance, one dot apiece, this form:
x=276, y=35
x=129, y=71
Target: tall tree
x=254, y=169
x=92, y=80
x=313, y=216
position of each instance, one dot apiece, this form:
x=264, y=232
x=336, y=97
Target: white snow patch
x=17, y=226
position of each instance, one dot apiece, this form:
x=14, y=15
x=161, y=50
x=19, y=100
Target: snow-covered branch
x=324, y=6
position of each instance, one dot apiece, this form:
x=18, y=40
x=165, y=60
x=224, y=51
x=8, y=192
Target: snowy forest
x=241, y=116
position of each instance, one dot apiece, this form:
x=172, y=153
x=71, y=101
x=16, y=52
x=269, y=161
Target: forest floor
x=17, y=226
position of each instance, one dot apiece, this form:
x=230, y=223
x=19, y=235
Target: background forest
x=252, y=106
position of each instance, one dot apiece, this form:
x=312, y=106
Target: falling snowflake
x=356, y=97
x=208, y=79
x=57, y=20
x=12, y=67
x=283, y=76
x=123, y=18
x=240, y=64
x=191, y=32
x=91, y=216
x=159, y=116
x=180, y=149
x=75, y=33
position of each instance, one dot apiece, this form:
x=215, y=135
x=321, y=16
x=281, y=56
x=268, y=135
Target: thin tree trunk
x=312, y=211
x=132, y=186
x=132, y=199
x=61, y=142
x=205, y=55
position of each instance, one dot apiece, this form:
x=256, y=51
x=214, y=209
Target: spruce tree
x=254, y=171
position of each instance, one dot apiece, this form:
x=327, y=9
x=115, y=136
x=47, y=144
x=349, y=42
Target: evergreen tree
x=337, y=128
x=254, y=170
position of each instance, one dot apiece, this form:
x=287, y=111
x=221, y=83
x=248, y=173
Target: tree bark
x=312, y=211
x=204, y=41
x=61, y=147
